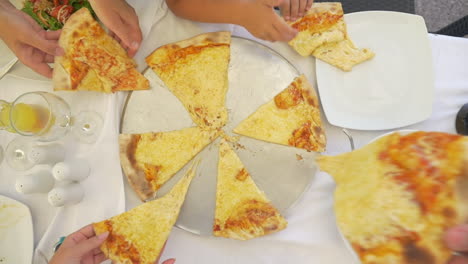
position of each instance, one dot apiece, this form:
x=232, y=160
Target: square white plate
x=16, y=232
x=395, y=88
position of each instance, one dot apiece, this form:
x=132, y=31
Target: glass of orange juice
x=39, y=114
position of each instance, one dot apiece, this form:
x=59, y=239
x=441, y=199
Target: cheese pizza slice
x=396, y=196
x=138, y=235
x=93, y=60
x=150, y=159
x=195, y=70
x=323, y=34
x=242, y=210
x=291, y=118
x=343, y=54
x=322, y=24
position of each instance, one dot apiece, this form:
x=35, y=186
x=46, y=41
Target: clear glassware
x=47, y=117
x=23, y=153
x=42, y=116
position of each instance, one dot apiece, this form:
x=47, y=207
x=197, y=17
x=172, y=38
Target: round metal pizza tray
x=256, y=74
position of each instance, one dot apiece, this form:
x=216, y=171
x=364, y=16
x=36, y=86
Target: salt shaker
x=46, y=154
x=39, y=182
x=74, y=170
x=66, y=195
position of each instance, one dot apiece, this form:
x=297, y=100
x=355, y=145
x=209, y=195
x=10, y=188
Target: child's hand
x=294, y=9
x=261, y=21
x=122, y=21
x=81, y=247
x=33, y=46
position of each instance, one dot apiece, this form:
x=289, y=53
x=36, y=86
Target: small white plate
x=395, y=88
x=16, y=232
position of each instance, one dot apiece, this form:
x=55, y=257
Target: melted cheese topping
x=306, y=42
x=242, y=210
x=197, y=75
x=365, y=186
x=95, y=61
x=283, y=119
x=138, y=235
x=342, y=54
x=387, y=205
x=169, y=152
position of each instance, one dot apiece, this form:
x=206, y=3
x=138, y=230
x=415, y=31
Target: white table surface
x=311, y=236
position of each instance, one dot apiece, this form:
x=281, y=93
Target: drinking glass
x=37, y=114
x=42, y=116
x=47, y=117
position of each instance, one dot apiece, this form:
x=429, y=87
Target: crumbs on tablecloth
x=238, y=146
x=232, y=139
x=299, y=157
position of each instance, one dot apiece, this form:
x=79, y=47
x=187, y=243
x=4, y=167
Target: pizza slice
x=242, y=210
x=150, y=159
x=93, y=60
x=195, y=70
x=396, y=196
x=343, y=54
x=323, y=34
x=291, y=118
x=138, y=235
x=322, y=24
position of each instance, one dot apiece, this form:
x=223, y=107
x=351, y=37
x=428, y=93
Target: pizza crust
x=60, y=76
x=93, y=60
x=291, y=118
x=242, y=210
x=134, y=174
x=221, y=37
x=195, y=71
x=139, y=235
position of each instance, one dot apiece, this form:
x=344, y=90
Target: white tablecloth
x=311, y=236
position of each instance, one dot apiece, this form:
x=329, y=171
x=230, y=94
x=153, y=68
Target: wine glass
x=47, y=117
x=23, y=153
x=42, y=116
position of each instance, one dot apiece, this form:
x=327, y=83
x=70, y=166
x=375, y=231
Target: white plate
x=256, y=75
x=392, y=90
x=16, y=232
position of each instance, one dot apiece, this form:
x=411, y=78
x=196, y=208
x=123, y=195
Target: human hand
x=457, y=240
x=294, y=9
x=262, y=21
x=81, y=247
x=33, y=46
x=122, y=21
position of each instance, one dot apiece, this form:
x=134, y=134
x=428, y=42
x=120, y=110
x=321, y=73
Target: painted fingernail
x=103, y=236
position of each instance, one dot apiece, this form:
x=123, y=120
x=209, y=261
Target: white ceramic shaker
x=74, y=170
x=38, y=182
x=47, y=154
x=69, y=194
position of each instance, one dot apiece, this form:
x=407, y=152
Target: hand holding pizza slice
x=93, y=60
